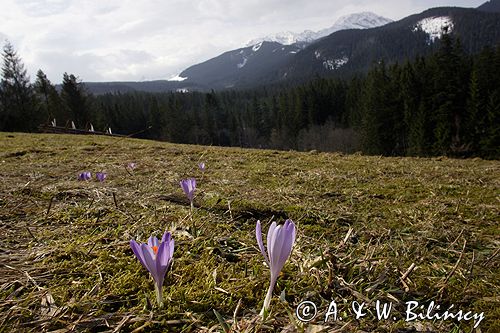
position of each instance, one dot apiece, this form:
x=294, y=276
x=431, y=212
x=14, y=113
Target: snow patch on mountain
x=364, y=20
x=333, y=64
x=256, y=47
x=177, y=78
x=435, y=27
x=242, y=64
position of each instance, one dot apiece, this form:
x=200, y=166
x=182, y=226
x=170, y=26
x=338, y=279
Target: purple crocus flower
x=101, y=176
x=202, y=166
x=188, y=186
x=280, y=240
x=131, y=165
x=156, y=257
x=85, y=175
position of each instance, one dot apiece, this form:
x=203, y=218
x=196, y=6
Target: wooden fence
x=67, y=130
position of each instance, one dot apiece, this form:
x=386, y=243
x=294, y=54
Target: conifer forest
x=446, y=103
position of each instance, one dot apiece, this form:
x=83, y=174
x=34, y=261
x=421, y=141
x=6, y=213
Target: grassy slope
x=362, y=222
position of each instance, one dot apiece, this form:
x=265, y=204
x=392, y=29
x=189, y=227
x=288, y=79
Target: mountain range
x=364, y=20
x=350, y=46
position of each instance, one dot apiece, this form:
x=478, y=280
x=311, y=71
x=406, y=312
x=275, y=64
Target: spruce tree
x=74, y=98
x=49, y=100
x=490, y=143
x=450, y=93
x=374, y=122
x=475, y=105
x=16, y=94
x=410, y=92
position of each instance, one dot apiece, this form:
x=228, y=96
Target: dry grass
x=369, y=228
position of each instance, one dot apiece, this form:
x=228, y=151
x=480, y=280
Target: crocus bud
x=101, y=176
x=280, y=240
x=85, y=175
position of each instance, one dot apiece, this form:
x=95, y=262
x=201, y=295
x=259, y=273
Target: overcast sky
x=133, y=40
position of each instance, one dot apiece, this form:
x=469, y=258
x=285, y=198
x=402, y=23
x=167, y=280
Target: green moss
x=362, y=222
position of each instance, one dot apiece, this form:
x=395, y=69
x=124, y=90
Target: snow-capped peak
x=362, y=20
x=285, y=38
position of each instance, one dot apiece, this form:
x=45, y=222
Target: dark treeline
x=444, y=104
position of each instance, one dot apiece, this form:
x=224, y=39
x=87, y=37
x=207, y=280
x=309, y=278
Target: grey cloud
x=39, y=8
x=55, y=63
x=117, y=40
x=135, y=56
x=94, y=67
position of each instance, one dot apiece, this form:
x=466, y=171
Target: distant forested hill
x=343, y=53
x=490, y=6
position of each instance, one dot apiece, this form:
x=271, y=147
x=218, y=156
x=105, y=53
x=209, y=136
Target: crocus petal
x=294, y=229
x=277, y=247
x=166, y=237
x=183, y=186
x=153, y=241
x=271, y=247
x=162, y=262
x=192, y=184
x=288, y=239
x=136, y=248
x=149, y=258
x=169, y=241
x=286, y=248
x=269, y=237
x=171, y=248
x=163, y=256
x=258, y=234
x=192, y=187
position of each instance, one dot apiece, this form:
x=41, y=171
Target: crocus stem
x=159, y=295
x=267, y=300
x=192, y=220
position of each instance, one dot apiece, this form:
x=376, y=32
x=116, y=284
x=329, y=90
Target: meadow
x=369, y=228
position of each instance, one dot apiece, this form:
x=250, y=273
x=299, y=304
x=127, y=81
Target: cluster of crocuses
x=86, y=175
x=156, y=256
x=101, y=176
